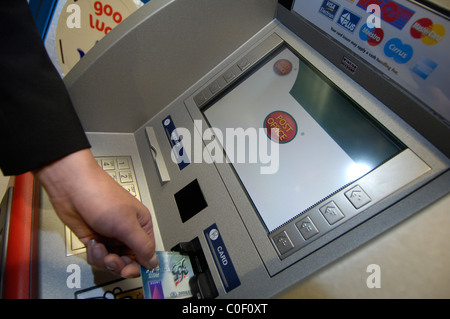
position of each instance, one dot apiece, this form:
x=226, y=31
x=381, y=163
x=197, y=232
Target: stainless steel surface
x=386, y=183
x=352, y=200
x=236, y=71
x=151, y=58
x=412, y=257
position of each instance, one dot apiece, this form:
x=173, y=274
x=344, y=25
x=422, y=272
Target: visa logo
x=348, y=20
x=329, y=9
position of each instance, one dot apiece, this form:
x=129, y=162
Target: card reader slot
x=202, y=284
x=157, y=156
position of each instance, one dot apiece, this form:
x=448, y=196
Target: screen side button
x=358, y=197
x=307, y=228
x=331, y=212
x=244, y=63
x=283, y=242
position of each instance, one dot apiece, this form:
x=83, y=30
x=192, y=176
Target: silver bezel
x=384, y=185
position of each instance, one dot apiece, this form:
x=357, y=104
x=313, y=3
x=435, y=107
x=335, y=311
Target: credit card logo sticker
x=424, y=67
x=373, y=36
x=329, y=9
x=427, y=31
x=348, y=20
x=400, y=52
x=391, y=12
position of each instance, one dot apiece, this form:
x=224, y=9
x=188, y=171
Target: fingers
x=123, y=266
x=133, y=243
x=139, y=237
x=98, y=255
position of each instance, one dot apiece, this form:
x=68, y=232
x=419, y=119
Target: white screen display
x=315, y=157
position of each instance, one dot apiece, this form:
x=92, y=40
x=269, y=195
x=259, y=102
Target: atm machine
x=268, y=138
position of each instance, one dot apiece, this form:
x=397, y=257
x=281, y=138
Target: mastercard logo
x=427, y=31
x=284, y=125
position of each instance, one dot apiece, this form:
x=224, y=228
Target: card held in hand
x=170, y=280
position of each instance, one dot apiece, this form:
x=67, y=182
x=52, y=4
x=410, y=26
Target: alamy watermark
x=374, y=279
x=250, y=145
x=74, y=278
x=374, y=20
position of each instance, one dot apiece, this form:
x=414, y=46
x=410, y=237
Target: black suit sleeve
x=38, y=123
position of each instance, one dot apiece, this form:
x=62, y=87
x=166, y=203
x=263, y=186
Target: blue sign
x=424, y=67
x=222, y=258
x=400, y=52
x=175, y=141
x=329, y=9
x=348, y=20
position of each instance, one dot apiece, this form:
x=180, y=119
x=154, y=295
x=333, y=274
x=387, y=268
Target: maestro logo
x=373, y=36
x=284, y=125
x=400, y=52
x=427, y=31
x=348, y=20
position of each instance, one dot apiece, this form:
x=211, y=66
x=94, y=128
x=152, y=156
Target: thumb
x=139, y=237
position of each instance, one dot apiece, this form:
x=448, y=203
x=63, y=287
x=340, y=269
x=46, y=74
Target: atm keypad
x=121, y=169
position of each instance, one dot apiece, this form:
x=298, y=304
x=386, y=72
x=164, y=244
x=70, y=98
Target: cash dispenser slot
x=202, y=283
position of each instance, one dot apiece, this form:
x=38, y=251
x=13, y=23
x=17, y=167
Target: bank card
x=170, y=280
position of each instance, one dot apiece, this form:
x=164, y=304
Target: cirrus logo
x=400, y=52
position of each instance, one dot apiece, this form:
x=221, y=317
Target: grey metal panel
x=220, y=210
x=153, y=56
x=327, y=248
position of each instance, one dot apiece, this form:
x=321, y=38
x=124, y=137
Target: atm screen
x=293, y=137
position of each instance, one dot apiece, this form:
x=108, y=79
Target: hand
x=115, y=227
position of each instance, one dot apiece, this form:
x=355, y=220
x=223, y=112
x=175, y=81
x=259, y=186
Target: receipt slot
x=268, y=138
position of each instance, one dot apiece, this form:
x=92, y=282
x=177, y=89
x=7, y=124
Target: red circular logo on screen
x=282, y=67
x=283, y=125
